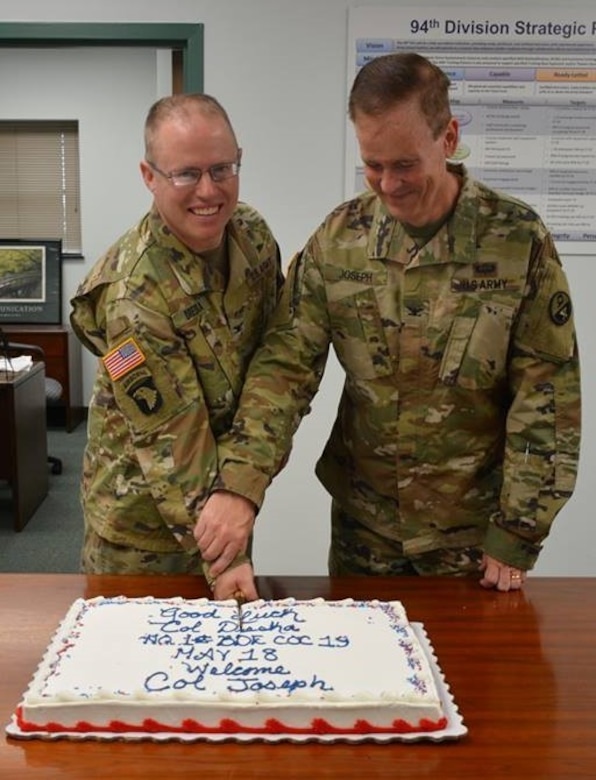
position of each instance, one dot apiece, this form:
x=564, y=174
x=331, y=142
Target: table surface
x=521, y=667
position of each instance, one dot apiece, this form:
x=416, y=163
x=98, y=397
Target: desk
x=62, y=352
x=521, y=665
x=24, y=450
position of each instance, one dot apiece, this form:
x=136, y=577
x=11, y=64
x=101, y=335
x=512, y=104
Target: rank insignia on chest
x=485, y=269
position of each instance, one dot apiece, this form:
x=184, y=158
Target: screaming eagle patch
x=559, y=308
x=146, y=396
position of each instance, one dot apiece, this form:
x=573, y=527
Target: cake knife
x=240, y=599
x=238, y=595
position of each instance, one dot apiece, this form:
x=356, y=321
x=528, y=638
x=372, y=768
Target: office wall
x=279, y=67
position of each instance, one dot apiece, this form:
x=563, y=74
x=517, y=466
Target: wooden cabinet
x=62, y=362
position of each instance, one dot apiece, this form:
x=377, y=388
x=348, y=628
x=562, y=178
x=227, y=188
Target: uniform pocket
x=476, y=353
x=358, y=336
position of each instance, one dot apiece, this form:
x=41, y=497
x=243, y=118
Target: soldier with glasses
x=174, y=311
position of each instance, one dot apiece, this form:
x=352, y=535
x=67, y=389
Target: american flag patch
x=123, y=359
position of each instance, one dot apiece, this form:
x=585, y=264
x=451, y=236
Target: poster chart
x=523, y=88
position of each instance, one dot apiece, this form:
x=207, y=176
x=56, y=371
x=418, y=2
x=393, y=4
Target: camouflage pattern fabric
x=357, y=550
x=459, y=421
x=174, y=342
x=102, y=557
x=99, y=556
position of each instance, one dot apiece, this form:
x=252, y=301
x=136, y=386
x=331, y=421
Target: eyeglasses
x=190, y=177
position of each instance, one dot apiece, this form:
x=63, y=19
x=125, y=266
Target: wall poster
x=30, y=281
x=523, y=87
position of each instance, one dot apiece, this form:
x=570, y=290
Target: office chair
x=53, y=387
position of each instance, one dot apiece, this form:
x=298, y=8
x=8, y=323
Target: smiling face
x=196, y=214
x=406, y=165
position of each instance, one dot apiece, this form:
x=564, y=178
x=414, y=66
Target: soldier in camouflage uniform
x=174, y=311
x=457, y=437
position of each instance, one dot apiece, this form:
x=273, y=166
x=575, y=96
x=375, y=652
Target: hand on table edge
x=500, y=576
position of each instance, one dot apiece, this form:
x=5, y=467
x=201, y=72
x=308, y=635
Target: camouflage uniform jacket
x=174, y=350
x=459, y=420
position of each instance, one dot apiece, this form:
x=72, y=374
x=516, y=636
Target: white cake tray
x=455, y=728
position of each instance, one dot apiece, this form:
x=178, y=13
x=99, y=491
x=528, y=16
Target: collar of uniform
x=387, y=235
x=247, y=250
x=185, y=264
x=242, y=255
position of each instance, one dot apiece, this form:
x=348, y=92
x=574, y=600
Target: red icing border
x=229, y=726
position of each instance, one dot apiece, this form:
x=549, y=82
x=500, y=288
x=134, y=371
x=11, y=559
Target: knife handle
x=239, y=596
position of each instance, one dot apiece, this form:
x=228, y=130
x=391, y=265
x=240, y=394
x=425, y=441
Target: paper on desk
x=15, y=364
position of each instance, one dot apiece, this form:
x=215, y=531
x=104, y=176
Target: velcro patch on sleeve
x=559, y=307
x=123, y=358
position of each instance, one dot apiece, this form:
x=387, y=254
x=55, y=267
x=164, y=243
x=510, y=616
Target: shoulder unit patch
x=559, y=308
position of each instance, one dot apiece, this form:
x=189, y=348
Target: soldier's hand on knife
x=223, y=529
x=232, y=582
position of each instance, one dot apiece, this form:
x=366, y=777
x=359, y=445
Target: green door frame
x=186, y=37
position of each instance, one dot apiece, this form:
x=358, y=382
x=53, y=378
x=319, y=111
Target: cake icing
x=187, y=666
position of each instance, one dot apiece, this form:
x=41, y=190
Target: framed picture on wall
x=30, y=281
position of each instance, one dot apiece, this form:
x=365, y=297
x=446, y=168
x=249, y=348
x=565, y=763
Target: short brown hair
x=177, y=106
x=394, y=78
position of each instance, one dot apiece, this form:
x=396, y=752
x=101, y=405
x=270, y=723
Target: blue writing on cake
x=240, y=640
x=208, y=645
x=302, y=639
x=156, y=639
x=336, y=641
x=242, y=685
x=271, y=627
x=192, y=654
x=197, y=639
x=195, y=676
x=252, y=615
x=174, y=619
x=158, y=682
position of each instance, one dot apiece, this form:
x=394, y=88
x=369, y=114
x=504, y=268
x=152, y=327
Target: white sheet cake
x=147, y=665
